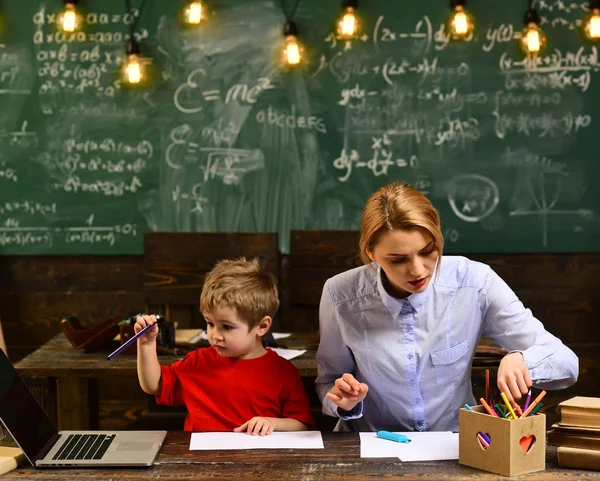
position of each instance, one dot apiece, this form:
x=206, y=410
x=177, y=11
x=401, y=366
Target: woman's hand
x=143, y=321
x=347, y=392
x=514, y=379
x=257, y=425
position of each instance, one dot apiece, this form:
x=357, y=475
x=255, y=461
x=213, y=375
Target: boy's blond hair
x=243, y=285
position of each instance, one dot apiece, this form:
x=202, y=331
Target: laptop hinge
x=48, y=446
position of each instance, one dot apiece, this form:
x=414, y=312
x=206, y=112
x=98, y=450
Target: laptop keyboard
x=84, y=446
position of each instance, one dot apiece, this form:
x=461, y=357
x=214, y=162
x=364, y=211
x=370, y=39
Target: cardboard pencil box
x=516, y=447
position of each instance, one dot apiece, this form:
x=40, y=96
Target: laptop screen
x=21, y=413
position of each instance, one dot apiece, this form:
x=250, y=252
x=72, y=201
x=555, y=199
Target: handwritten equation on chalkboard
x=226, y=140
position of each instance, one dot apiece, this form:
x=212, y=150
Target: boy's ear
x=264, y=325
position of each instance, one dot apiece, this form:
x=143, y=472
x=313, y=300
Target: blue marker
x=124, y=346
x=399, y=438
x=469, y=408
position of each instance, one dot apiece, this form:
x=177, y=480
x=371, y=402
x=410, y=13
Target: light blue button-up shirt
x=415, y=354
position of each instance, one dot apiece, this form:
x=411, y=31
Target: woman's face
x=408, y=259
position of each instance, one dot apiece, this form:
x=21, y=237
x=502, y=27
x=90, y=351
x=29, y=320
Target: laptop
x=46, y=447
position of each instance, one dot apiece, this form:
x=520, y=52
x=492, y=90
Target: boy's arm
x=148, y=367
x=288, y=424
x=264, y=426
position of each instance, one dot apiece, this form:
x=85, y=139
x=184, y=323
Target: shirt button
x=411, y=382
x=417, y=400
x=407, y=329
x=410, y=356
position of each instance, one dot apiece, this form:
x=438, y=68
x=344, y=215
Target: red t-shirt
x=221, y=393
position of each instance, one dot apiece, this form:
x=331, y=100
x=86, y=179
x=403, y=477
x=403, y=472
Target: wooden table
x=340, y=460
x=74, y=375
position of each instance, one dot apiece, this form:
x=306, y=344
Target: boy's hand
x=514, y=379
x=143, y=321
x=347, y=392
x=256, y=425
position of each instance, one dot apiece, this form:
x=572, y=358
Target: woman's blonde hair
x=243, y=285
x=397, y=206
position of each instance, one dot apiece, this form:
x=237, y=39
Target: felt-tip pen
x=399, y=438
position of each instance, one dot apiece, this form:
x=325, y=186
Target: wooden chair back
x=176, y=263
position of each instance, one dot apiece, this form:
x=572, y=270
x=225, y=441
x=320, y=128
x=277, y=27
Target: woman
x=398, y=334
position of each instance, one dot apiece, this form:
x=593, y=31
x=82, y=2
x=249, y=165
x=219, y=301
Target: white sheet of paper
x=424, y=446
x=276, y=440
x=288, y=353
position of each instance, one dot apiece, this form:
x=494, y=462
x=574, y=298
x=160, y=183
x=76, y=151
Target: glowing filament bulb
x=592, y=28
x=292, y=51
x=533, y=39
x=194, y=13
x=69, y=18
x=460, y=22
x=348, y=25
x=133, y=70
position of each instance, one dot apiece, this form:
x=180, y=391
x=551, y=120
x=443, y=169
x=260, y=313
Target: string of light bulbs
x=460, y=26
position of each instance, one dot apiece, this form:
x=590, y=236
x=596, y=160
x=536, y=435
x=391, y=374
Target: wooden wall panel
x=36, y=292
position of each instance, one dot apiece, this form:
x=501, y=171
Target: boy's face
x=231, y=336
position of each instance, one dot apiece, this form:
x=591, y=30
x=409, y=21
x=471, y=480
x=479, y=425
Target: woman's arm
x=551, y=364
x=334, y=359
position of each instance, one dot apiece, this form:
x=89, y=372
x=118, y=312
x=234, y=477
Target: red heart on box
x=527, y=442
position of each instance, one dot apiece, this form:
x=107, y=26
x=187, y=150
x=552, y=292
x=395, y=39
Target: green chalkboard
x=224, y=139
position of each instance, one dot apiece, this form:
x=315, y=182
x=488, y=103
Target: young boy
x=236, y=384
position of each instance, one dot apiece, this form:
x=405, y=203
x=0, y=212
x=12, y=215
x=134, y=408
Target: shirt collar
x=393, y=304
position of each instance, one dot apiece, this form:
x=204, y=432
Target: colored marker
x=399, y=438
x=487, y=385
x=527, y=401
x=483, y=441
x=533, y=404
x=469, y=408
x=124, y=346
x=508, y=406
x=485, y=437
x=500, y=411
x=490, y=411
x=536, y=409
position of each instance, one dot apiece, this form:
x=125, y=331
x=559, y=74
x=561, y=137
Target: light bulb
x=592, y=26
x=293, y=51
x=461, y=23
x=533, y=39
x=195, y=13
x=133, y=70
x=348, y=24
x=68, y=18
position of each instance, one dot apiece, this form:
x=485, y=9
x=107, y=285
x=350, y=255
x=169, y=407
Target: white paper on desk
x=424, y=446
x=276, y=440
x=288, y=353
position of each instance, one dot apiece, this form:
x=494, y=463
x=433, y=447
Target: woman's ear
x=370, y=254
